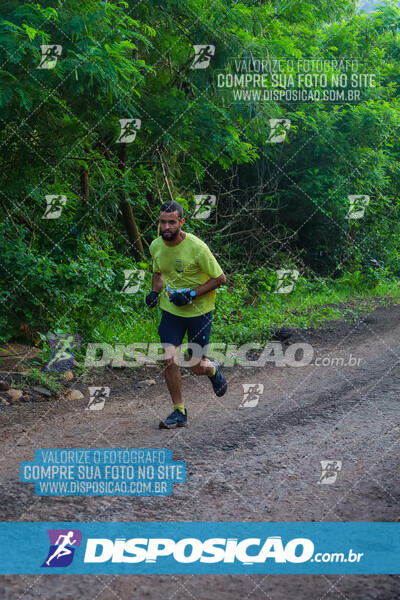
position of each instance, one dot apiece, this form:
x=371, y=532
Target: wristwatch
x=193, y=294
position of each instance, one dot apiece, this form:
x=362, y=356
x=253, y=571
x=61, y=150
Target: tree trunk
x=84, y=184
x=128, y=217
x=84, y=177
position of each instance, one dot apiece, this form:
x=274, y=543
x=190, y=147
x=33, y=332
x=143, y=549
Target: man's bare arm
x=157, y=282
x=210, y=285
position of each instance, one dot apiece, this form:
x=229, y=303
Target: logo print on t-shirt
x=179, y=265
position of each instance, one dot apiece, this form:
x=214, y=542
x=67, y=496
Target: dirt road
x=243, y=464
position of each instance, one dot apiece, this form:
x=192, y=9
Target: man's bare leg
x=173, y=374
x=173, y=379
x=204, y=367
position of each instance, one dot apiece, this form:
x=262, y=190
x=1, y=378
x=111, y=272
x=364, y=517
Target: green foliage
x=51, y=381
x=278, y=206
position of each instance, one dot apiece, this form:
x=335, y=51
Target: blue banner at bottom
x=191, y=548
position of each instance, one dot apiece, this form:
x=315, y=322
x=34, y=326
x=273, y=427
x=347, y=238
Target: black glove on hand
x=181, y=298
x=151, y=299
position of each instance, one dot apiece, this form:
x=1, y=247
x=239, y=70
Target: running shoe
x=218, y=380
x=175, y=419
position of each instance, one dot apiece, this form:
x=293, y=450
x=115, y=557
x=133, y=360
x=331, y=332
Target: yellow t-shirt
x=186, y=265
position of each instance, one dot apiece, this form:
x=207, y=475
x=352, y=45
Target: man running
x=191, y=275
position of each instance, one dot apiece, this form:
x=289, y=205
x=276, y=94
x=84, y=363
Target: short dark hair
x=172, y=206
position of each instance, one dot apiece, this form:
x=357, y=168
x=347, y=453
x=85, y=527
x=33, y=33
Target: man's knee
x=169, y=363
x=170, y=357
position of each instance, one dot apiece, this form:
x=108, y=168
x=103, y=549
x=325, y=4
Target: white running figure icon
x=62, y=550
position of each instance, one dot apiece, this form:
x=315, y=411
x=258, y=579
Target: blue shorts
x=172, y=330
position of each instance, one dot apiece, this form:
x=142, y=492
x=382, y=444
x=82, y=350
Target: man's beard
x=171, y=236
